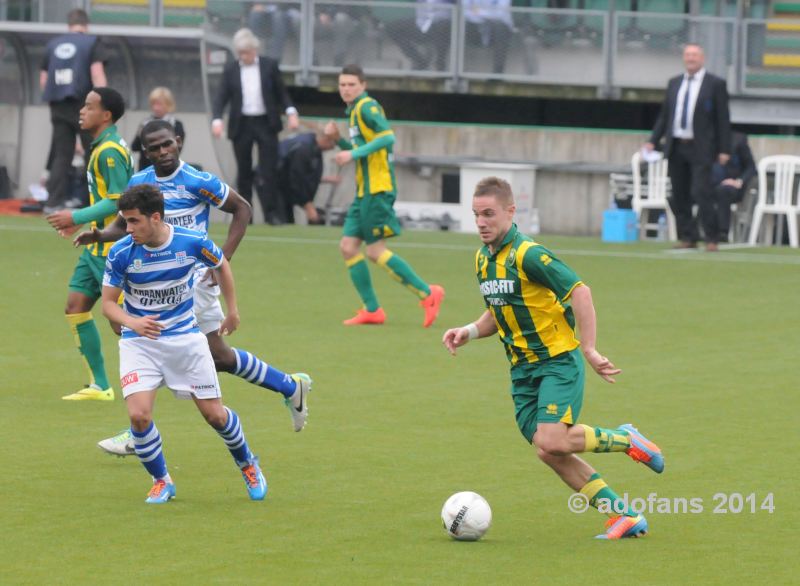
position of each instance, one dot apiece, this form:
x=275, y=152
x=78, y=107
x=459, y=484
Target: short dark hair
x=77, y=17
x=144, y=197
x=111, y=101
x=155, y=126
x=353, y=69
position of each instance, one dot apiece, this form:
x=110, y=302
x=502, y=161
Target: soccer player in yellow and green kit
x=108, y=172
x=371, y=218
x=534, y=302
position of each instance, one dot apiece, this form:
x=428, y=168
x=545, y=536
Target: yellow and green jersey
x=108, y=173
x=375, y=171
x=527, y=291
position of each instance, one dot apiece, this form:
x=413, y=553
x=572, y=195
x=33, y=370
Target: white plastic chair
x=781, y=200
x=652, y=196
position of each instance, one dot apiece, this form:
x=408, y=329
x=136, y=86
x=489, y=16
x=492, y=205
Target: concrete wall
x=569, y=201
x=36, y=141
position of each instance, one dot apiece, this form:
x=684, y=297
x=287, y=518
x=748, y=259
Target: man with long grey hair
x=253, y=87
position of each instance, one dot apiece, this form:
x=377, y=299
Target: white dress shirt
x=252, y=98
x=694, y=89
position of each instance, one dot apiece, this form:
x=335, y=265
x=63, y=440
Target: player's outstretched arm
x=480, y=328
x=225, y=279
x=586, y=320
x=146, y=326
x=111, y=234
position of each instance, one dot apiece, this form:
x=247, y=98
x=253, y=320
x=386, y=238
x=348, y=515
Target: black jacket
x=273, y=91
x=711, y=124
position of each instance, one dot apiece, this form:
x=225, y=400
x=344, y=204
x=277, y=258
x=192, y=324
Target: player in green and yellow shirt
x=371, y=218
x=534, y=303
x=108, y=171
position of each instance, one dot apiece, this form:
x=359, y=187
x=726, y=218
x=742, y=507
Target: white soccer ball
x=466, y=516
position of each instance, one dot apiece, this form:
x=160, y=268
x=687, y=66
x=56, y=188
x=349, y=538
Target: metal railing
x=458, y=43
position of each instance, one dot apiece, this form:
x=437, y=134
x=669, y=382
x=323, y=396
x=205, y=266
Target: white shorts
x=181, y=363
x=207, y=308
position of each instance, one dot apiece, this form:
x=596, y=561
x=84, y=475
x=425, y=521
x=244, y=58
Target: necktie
x=685, y=107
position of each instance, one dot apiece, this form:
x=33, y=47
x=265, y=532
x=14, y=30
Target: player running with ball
x=534, y=301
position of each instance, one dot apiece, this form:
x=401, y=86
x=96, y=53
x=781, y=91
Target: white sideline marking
x=693, y=255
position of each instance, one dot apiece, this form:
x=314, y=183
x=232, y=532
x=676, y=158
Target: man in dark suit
x=694, y=122
x=254, y=88
x=730, y=181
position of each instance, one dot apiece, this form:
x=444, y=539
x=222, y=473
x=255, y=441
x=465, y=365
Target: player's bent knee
x=140, y=420
x=216, y=419
x=549, y=445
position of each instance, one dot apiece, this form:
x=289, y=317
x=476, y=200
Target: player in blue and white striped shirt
x=162, y=345
x=188, y=196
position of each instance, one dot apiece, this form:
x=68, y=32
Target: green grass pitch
x=708, y=345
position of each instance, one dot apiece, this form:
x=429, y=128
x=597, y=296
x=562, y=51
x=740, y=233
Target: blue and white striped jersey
x=160, y=281
x=188, y=194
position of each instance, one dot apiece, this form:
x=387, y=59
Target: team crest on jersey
x=512, y=257
x=181, y=189
x=483, y=261
x=180, y=256
x=137, y=264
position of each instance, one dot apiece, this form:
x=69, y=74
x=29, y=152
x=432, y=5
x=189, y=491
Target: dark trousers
x=724, y=196
x=256, y=130
x=691, y=184
x=419, y=46
x=64, y=118
x=492, y=33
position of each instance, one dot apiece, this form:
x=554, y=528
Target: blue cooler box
x=619, y=226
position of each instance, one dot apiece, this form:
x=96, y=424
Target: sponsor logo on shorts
x=129, y=379
x=552, y=409
x=204, y=387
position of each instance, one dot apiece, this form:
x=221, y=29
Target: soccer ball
x=466, y=516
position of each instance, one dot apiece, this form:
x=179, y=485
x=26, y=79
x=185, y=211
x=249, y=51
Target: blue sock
x=233, y=436
x=258, y=372
x=148, y=448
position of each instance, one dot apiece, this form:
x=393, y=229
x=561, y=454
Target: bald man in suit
x=694, y=123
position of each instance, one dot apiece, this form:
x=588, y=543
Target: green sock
x=359, y=274
x=402, y=271
x=600, y=440
x=603, y=498
x=88, y=339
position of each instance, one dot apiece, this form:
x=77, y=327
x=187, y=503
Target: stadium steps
x=782, y=43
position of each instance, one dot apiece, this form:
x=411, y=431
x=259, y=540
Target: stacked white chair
x=781, y=200
x=652, y=196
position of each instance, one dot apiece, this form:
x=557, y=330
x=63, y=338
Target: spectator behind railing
x=426, y=35
x=488, y=23
x=272, y=24
x=339, y=23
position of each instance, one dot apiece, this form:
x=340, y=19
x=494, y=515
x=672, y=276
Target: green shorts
x=548, y=392
x=87, y=278
x=371, y=218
